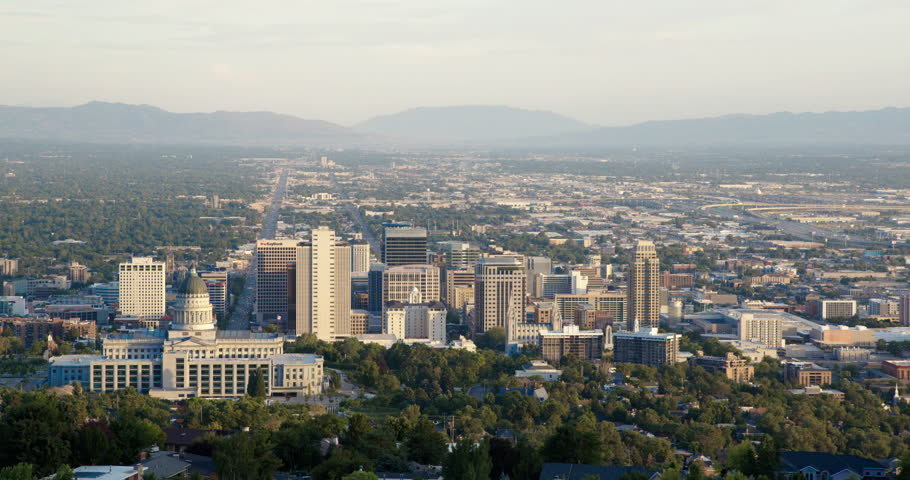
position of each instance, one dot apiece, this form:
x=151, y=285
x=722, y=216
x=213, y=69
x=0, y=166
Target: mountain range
x=476, y=126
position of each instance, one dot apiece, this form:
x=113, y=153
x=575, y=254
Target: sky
x=603, y=62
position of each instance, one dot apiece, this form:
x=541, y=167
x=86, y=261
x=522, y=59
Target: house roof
x=183, y=436
x=165, y=465
x=569, y=471
x=793, y=461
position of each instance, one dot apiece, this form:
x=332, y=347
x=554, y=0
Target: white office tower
x=322, y=287
x=142, y=287
x=499, y=294
x=644, y=287
x=360, y=257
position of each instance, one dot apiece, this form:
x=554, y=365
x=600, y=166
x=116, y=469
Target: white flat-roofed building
x=142, y=287
x=540, y=369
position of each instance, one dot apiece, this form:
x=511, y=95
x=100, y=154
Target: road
x=358, y=219
x=240, y=319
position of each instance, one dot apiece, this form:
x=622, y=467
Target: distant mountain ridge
x=887, y=126
x=474, y=126
x=123, y=123
x=470, y=123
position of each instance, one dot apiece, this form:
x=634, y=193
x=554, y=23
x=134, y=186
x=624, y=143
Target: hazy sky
x=605, y=62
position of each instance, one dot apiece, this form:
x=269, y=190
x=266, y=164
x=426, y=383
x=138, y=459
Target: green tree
x=134, y=435
x=425, y=444
x=571, y=445
x=64, y=473
x=468, y=461
x=21, y=471
x=695, y=472
x=256, y=384
x=246, y=456
x=341, y=462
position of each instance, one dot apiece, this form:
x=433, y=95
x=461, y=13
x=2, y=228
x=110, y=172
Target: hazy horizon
x=603, y=63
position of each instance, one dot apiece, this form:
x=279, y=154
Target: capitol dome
x=193, y=310
x=193, y=285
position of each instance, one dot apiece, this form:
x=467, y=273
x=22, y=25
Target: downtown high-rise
x=142, y=287
x=320, y=297
x=643, y=296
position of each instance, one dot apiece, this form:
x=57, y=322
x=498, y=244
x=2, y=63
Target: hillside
x=121, y=123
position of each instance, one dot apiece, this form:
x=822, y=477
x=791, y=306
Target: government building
x=192, y=359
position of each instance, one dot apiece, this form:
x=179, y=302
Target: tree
x=493, y=339
x=246, y=456
x=256, y=384
x=570, y=445
x=64, y=473
x=695, y=472
x=134, y=435
x=358, y=427
x=21, y=471
x=341, y=462
x=425, y=444
x=468, y=461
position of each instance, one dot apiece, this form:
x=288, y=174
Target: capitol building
x=192, y=359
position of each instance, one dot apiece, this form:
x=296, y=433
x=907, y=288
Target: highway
x=354, y=212
x=240, y=319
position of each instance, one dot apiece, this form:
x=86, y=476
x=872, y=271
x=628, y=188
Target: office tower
x=646, y=347
x=9, y=267
x=499, y=294
x=403, y=244
x=374, y=288
x=78, y=273
x=272, y=259
x=360, y=257
x=535, y=266
x=455, y=279
x=612, y=304
x=142, y=287
x=398, y=282
x=762, y=326
x=322, y=298
x=461, y=255
x=548, y=285
x=838, y=309
x=217, y=283
x=571, y=342
x=882, y=307
x=905, y=309
x=644, y=287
